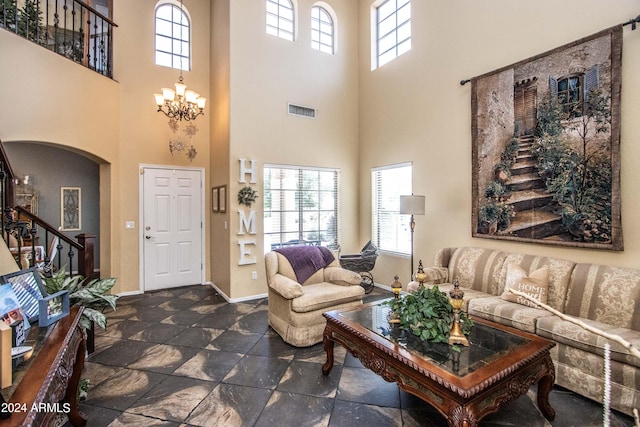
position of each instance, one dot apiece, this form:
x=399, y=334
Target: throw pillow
x=535, y=284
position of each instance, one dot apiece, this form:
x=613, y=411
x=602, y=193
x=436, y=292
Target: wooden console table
x=49, y=385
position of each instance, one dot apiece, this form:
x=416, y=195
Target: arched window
x=322, y=30
x=280, y=19
x=173, y=37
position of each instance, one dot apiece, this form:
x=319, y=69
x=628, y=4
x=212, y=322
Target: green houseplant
x=428, y=314
x=93, y=296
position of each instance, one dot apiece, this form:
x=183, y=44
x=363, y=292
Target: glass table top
x=486, y=343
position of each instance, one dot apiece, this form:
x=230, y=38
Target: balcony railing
x=68, y=27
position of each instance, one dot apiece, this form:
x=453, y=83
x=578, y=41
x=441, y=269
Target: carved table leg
x=328, y=348
x=76, y=417
x=544, y=388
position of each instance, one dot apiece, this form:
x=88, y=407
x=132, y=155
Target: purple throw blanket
x=306, y=260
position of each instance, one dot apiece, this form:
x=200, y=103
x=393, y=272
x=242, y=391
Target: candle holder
x=420, y=275
x=457, y=301
x=396, y=287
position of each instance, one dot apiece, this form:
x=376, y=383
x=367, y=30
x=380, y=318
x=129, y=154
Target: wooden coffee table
x=500, y=364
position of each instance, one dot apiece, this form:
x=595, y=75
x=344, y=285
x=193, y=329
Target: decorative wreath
x=247, y=195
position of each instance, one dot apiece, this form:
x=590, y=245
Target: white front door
x=172, y=227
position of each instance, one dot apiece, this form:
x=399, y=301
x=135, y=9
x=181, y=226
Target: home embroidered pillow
x=535, y=284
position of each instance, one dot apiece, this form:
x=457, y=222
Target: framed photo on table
x=53, y=308
x=28, y=289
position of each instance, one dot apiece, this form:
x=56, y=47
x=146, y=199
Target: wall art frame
x=546, y=147
x=215, y=198
x=70, y=208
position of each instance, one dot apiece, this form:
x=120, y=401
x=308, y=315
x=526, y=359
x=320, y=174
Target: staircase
x=532, y=204
x=18, y=224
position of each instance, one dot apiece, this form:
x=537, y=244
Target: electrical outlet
x=254, y=275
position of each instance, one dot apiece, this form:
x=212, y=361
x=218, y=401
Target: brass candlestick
x=396, y=287
x=420, y=275
x=455, y=335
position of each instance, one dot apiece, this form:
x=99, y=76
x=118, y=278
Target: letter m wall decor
x=546, y=147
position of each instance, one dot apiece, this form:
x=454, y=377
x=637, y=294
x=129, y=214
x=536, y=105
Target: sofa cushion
x=476, y=268
x=469, y=294
x=323, y=295
x=565, y=332
x=496, y=309
x=534, y=285
x=559, y=275
x=605, y=294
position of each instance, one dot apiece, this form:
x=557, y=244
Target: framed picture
x=546, y=147
x=28, y=289
x=222, y=198
x=214, y=199
x=12, y=314
x=53, y=308
x=70, y=208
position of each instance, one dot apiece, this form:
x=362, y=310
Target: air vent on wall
x=299, y=110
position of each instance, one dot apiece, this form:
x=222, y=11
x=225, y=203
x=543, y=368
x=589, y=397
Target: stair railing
x=19, y=225
x=70, y=28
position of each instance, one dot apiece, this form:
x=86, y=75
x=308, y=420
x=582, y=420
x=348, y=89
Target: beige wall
x=268, y=72
x=220, y=123
x=66, y=105
x=112, y=121
x=414, y=108
x=411, y=109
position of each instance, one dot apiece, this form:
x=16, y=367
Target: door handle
x=147, y=237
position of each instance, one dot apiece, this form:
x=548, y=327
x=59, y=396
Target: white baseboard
x=235, y=300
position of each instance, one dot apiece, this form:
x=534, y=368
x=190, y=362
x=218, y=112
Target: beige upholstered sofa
x=295, y=309
x=602, y=296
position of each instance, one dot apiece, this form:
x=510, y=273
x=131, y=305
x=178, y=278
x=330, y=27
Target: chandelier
x=181, y=103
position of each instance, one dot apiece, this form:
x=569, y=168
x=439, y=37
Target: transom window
x=173, y=31
x=300, y=206
x=280, y=19
x=392, y=30
x=322, y=30
x=390, y=231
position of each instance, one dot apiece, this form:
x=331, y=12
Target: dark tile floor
x=185, y=357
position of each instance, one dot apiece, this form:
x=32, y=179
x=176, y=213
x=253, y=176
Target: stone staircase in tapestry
x=533, y=205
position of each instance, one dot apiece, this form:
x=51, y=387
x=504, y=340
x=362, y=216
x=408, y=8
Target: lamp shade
x=412, y=205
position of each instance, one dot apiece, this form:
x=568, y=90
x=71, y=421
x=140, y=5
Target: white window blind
x=390, y=231
x=300, y=206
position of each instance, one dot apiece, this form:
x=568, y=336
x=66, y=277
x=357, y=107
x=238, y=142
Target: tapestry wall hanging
x=546, y=147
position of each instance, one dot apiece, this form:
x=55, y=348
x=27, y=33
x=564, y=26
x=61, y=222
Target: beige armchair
x=295, y=309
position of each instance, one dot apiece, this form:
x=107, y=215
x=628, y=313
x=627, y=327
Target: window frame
x=398, y=46
x=388, y=201
x=285, y=234
x=276, y=28
x=318, y=33
x=182, y=58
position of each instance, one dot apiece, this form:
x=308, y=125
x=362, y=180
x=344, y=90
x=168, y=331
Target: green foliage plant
x=427, y=314
x=247, y=195
x=93, y=296
x=579, y=177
